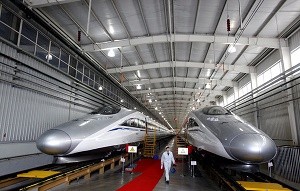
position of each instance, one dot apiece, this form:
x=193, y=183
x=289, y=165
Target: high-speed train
x=219, y=131
x=102, y=131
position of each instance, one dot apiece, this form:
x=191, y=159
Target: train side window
x=131, y=123
x=142, y=124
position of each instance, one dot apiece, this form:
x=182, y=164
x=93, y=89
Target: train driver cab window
x=131, y=123
x=217, y=110
x=107, y=110
x=192, y=123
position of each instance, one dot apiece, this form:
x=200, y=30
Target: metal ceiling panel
x=127, y=75
x=131, y=16
x=214, y=53
x=230, y=75
x=168, y=84
x=278, y=23
x=157, y=85
x=180, y=84
x=104, y=11
x=208, y=16
x=166, y=72
x=205, y=73
x=117, y=59
x=231, y=11
x=198, y=51
x=184, y=15
x=153, y=73
x=193, y=72
x=130, y=54
x=180, y=72
x=259, y=17
x=154, y=16
x=248, y=55
x=189, y=85
x=146, y=53
x=162, y=51
x=60, y=17
x=182, y=50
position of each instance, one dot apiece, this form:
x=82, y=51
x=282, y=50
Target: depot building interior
x=61, y=60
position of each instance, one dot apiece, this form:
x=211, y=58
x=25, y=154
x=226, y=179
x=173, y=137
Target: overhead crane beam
x=44, y=3
x=202, y=81
x=178, y=64
x=205, y=92
x=222, y=39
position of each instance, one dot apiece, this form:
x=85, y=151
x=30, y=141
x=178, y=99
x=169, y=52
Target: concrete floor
x=111, y=180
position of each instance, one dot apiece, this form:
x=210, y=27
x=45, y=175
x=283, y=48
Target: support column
x=253, y=77
x=225, y=98
x=285, y=57
x=236, y=91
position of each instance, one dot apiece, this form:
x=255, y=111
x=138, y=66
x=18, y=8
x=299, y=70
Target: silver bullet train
x=107, y=129
x=219, y=131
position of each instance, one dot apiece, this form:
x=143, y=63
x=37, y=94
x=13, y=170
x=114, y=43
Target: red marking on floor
x=151, y=174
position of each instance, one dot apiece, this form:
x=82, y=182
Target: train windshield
x=107, y=110
x=216, y=110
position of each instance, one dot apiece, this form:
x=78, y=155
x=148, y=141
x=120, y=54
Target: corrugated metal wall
x=294, y=41
x=32, y=102
x=273, y=118
x=268, y=62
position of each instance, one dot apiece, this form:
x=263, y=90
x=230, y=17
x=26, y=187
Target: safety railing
x=287, y=163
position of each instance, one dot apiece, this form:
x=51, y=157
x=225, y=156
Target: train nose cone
x=253, y=148
x=54, y=142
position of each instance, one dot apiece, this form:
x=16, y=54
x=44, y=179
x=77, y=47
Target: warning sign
x=132, y=149
x=183, y=151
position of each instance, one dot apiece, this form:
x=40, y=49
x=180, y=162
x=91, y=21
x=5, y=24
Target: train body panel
x=219, y=131
x=104, y=129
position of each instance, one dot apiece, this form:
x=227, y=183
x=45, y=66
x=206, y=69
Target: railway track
x=67, y=172
x=231, y=179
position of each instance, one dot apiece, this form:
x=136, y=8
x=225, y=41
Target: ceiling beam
x=44, y=3
x=177, y=96
x=172, y=108
x=180, y=101
x=178, y=64
x=202, y=81
x=205, y=92
x=222, y=39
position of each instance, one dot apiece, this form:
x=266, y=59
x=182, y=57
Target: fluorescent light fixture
x=122, y=100
x=111, y=53
x=111, y=29
x=138, y=73
x=138, y=87
x=231, y=49
x=208, y=86
x=49, y=57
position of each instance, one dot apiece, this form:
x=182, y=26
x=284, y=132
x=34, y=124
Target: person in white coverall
x=167, y=159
